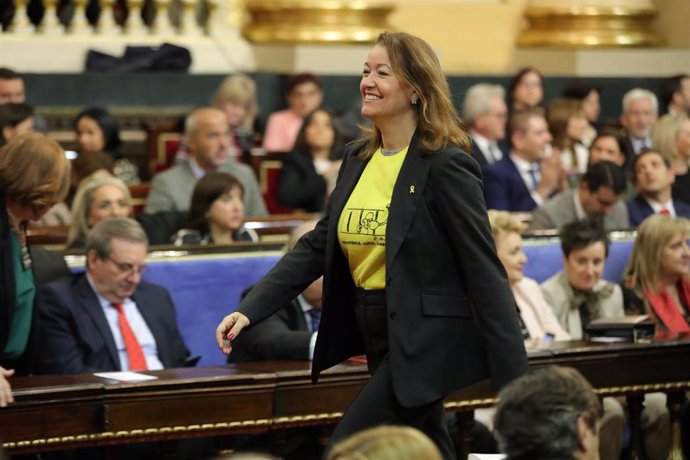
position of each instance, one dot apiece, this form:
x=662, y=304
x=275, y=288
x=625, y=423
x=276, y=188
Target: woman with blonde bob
x=538, y=320
x=386, y=443
x=407, y=256
x=98, y=198
x=34, y=175
x=236, y=98
x=659, y=269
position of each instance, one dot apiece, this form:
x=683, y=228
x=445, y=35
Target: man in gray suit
x=597, y=198
x=208, y=139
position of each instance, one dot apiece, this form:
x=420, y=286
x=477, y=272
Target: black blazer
x=283, y=335
x=76, y=337
x=451, y=316
x=300, y=186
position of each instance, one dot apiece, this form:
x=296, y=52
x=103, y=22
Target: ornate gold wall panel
x=311, y=21
x=590, y=24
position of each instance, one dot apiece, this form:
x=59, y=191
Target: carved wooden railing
x=114, y=17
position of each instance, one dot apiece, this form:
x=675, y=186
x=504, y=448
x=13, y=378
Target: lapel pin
x=411, y=188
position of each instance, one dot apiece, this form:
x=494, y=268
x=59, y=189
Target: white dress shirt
x=139, y=327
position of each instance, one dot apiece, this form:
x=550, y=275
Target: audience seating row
x=207, y=287
x=160, y=226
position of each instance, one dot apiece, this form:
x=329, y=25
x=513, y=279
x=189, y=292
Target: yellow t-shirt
x=362, y=224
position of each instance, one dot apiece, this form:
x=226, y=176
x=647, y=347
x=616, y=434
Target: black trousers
x=377, y=404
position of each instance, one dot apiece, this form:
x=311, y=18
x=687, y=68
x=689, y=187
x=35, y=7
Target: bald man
x=207, y=138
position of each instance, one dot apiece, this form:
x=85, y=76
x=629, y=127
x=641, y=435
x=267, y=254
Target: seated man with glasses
x=108, y=319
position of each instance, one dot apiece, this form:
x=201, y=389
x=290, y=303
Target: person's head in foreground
x=548, y=413
x=386, y=443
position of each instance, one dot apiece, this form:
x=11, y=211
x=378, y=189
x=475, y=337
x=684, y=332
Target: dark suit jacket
x=479, y=157
x=76, y=337
x=300, y=186
x=639, y=210
x=445, y=330
x=283, y=335
x=504, y=188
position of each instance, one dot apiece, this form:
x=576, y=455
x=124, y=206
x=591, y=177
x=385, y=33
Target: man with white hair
x=485, y=112
x=640, y=112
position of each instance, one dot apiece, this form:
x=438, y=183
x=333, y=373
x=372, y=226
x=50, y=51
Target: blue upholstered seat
x=207, y=287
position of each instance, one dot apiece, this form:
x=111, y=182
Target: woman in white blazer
x=538, y=320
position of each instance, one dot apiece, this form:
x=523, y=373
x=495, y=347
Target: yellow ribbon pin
x=411, y=188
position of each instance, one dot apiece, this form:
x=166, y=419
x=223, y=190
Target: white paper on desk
x=125, y=376
x=607, y=339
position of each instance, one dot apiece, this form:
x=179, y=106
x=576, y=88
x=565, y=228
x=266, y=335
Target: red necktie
x=137, y=361
x=665, y=212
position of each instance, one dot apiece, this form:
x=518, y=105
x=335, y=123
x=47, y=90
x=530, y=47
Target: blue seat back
x=545, y=259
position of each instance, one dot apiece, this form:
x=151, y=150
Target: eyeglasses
x=127, y=269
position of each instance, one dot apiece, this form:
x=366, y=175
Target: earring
x=413, y=100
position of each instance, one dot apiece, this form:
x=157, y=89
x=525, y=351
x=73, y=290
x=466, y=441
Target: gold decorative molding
x=589, y=27
x=95, y=438
x=314, y=22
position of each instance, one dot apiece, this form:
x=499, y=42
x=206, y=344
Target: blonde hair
x=34, y=170
x=665, y=135
x=655, y=232
x=240, y=89
x=386, y=443
x=83, y=200
x=414, y=62
x=503, y=223
x=558, y=115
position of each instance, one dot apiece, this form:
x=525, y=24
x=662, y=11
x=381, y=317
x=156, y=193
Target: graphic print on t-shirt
x=365, y=221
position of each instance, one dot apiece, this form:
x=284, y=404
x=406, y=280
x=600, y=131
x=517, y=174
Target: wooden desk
x=56, y=412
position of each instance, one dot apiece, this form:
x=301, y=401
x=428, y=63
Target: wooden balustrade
x=126, y=17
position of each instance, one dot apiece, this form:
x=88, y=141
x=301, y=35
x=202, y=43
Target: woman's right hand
x=229, y=329
x=5, y=388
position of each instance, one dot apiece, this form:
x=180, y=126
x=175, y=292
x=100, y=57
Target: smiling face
x=513, y=258
x=606, y=148
x=531, y=144
x=108, y=201
x=385, y=97
x=584, y=266
x=675, y=259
